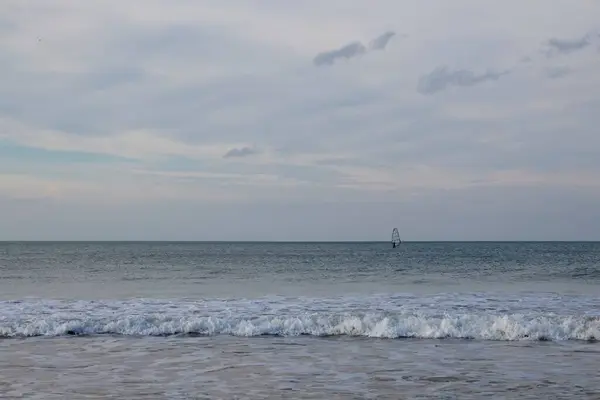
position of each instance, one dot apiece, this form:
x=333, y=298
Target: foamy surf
x=505, y=327
x=282, y=318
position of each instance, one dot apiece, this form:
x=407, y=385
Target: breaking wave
x=152, y=318
x=505, y=327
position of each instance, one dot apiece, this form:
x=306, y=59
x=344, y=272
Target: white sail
x=395, y=237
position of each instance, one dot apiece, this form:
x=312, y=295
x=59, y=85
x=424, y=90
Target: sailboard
x=395, y=238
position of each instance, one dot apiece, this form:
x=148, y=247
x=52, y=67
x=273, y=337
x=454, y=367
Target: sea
x=428, y=320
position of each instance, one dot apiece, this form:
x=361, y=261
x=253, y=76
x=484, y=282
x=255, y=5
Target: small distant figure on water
x=395, y=238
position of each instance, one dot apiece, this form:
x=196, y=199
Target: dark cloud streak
x=441, y=78
x=242, y=152
x=352, y=50
x=381, y=41
x=348, y=51
x=567, y=46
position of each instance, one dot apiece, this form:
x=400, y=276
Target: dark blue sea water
x=299, y=320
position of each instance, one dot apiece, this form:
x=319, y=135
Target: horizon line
x=294, y=241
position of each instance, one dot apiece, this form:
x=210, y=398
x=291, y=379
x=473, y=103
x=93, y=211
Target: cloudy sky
x=305, y=120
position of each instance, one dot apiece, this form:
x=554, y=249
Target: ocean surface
x=299, y=320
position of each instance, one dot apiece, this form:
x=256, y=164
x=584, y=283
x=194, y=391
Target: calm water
x=299, y=320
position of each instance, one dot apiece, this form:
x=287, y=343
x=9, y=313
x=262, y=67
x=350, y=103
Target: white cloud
x=176, y=87
x=130, y=144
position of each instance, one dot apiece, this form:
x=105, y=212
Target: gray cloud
x=558, y=72
x=567, y=46
x=556, y=46
x=526, y=60
x=348, y=51
x=441, y=78
x=353, y=49
x=381, y=41
x=241, y=152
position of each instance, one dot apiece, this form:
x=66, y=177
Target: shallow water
x=259, y=320
x=295, y=368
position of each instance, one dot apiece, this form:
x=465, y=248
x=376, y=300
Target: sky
x=305, y=120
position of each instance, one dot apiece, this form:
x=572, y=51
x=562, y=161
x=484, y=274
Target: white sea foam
x=393, y=317
x=483, y=327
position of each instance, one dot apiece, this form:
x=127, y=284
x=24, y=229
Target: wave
x=31, y=319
